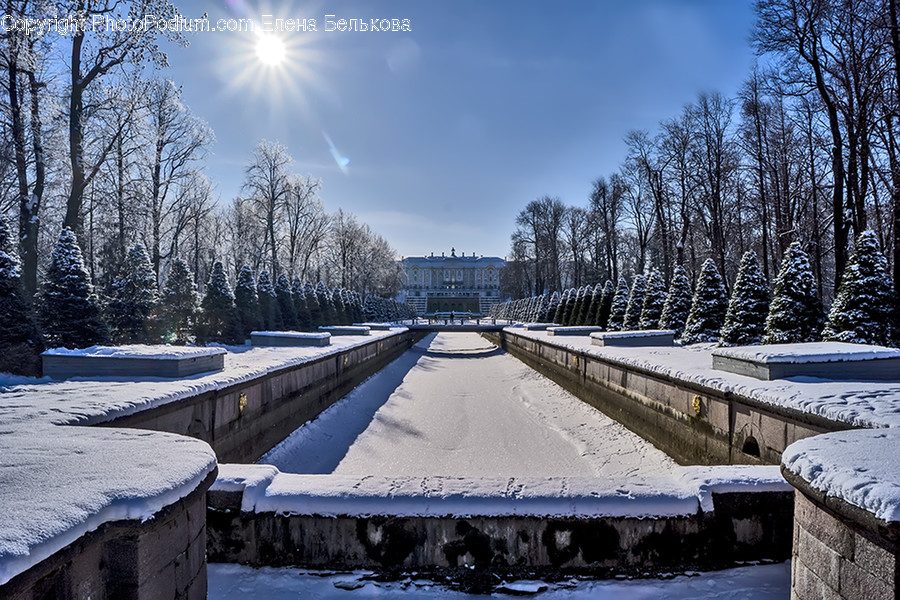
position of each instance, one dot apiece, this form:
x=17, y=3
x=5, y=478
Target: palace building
x=456, y=283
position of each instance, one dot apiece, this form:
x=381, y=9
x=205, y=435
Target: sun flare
x=270, y=50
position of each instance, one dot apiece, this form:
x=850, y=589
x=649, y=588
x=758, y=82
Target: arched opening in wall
x=751, y=447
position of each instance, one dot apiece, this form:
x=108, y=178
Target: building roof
x=454, y=260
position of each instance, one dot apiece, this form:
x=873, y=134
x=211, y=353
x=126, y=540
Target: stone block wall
x=163, y=557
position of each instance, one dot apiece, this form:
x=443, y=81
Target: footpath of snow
x=59, y=483
x=816, y=352
x=872, y=404
x=237, y=582
x=138, y=351
x=92, y=400
x=859, y=467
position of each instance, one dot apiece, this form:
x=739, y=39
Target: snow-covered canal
x=456, y=405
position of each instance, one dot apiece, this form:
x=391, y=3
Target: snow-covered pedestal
x=289, y=338
x=345, y=329
x=827, y=360
x=572, y=330
x=539, y=326
x=132, y=361
x=375, y=326
x=846, y=515
x=648, y=337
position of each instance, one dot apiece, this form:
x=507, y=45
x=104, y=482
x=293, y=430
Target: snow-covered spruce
x=269, y=310
x=217, y=322
x=635, y=303
x=795, y=312
x=561, y=307
x=301, y=309
x=70, y=314
x=340, y=311
x=745, y=321
x=654, y=300
x=327, y=315
x=178, y=304
x=20, y=342
x=246, y=303
x=708, y=308
x=862, y=310
x=552, y=306
x=593, y=305
x=134, y=298
x=678, y=302
x=286, y=303
x=601, y=317
x=312, y=305
x=617, y=307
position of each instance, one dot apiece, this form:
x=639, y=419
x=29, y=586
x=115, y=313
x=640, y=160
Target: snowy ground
x=858, y=403
x=236, y=582
x=457, y=406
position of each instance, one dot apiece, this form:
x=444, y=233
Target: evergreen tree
x=540, y=309
x=246, y=303
x=286, y=303
x=134, y=298
x=593, y=305
x=618, y=306
x=678, y=302
x=654, y=300
x=862, y=310
x=20, y=341
x=549, y=315
x=577, y=306
x=70, y=313
x=795, y=312
x=745, y=321
x=708, y=308
x=178, y=305
x=559, y=315
x=601, y=318
x=269, y=309
x=217, y=322
x=298, y=292
x=635, y=303
x=340, y=311
x=312, y=304
x=327, y=313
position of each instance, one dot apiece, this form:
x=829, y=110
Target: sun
x=270, y=50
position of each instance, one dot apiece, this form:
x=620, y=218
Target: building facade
x=454, y=283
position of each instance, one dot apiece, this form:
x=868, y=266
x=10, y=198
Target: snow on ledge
x=539, y=326
x=815, y=352
x=572, y=330
x=138, y=351
x=637, y=333
x=305, y=335
x=268, y=490
x=859, y=467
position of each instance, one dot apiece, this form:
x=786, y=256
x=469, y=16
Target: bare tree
x=268, y=185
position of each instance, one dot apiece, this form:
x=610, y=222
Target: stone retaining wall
x=163, y=557
x=692, y=423
x=244, y=421
x=742, y=527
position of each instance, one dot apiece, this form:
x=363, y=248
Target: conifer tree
x=577, y=307
x=593, y=305
x=601, y=318
x=286, y=303
x=635, y=303
x=618, y=306
x=217, y=322
x=246, y=303
x=708, y=307
x=654, y=300
x=70, y=313
x=745, y=321
x=312, y=304
x=328, y=316
x=134, y=298
x=178, y=305
x=20, y=341
x=862, y=310
x=540, y=308
x=298, y=292
x=678, y=302
x=269, y=310
x=340, y=311
x=795, y=313
x=549, y=315
x=559, y=315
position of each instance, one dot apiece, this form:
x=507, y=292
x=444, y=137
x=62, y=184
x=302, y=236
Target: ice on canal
x=455, y=405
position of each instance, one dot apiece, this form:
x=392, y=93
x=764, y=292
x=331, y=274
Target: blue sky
x=483, y=106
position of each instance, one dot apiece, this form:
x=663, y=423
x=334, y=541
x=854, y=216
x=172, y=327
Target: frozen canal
x=455, y=405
